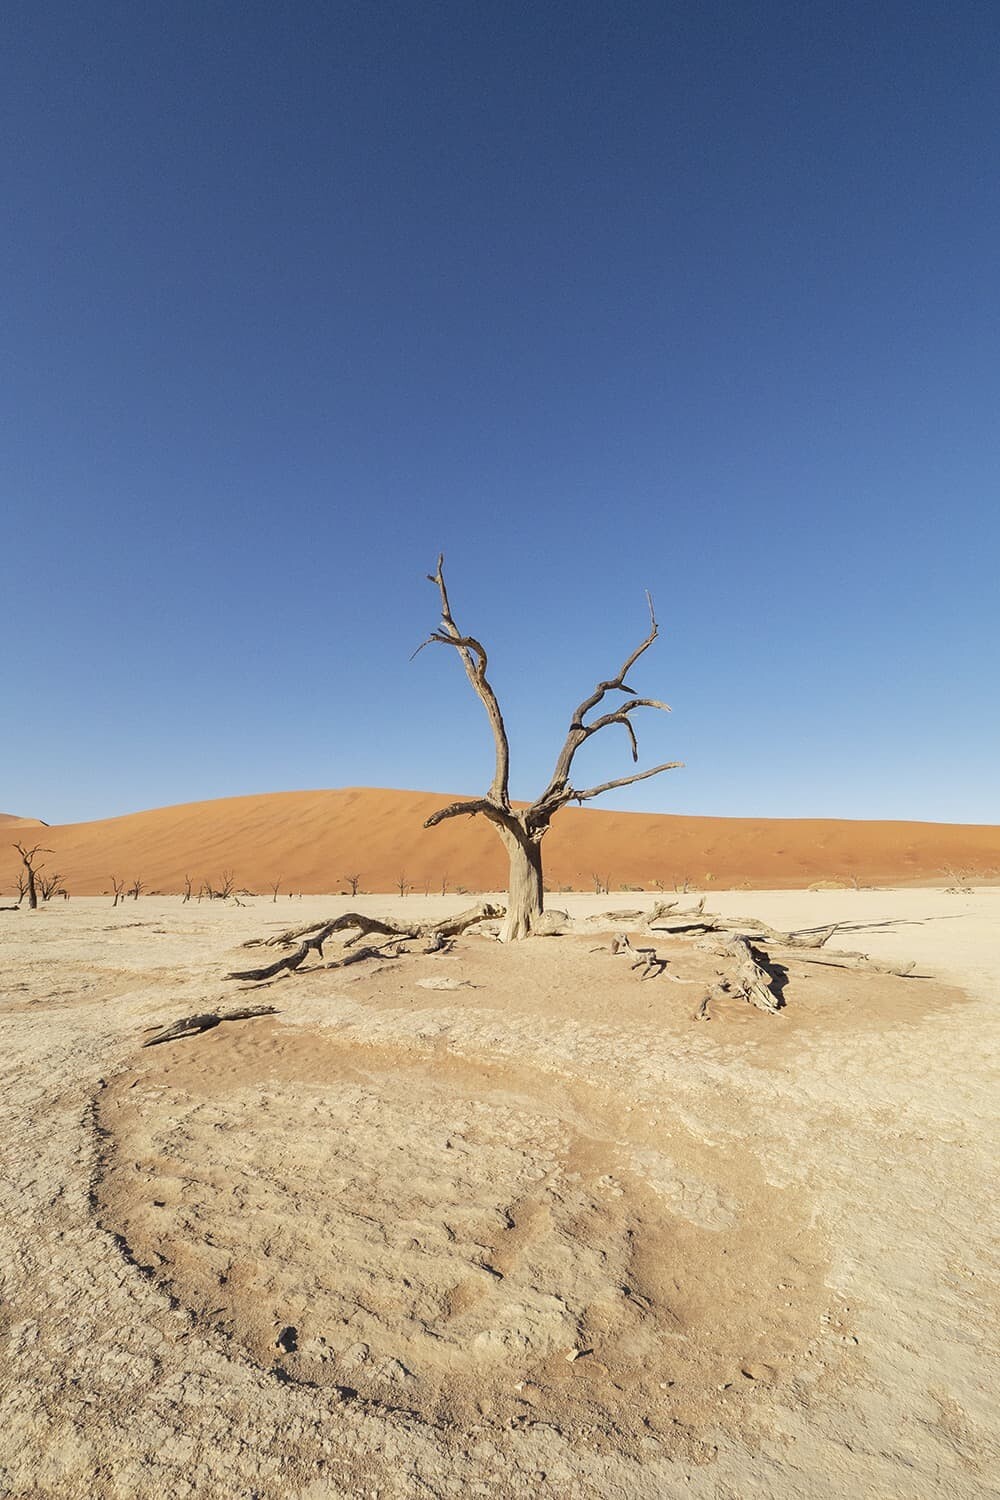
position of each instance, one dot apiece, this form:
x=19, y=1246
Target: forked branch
x=475, y=661
x=559, y=790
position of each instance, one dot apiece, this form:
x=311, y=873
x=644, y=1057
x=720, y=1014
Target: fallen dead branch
x=193, y=1025
x=645, y=960
x=437, y=934
x=666, y=918
x=447, y=927
x=837, y=960
x=802, y=944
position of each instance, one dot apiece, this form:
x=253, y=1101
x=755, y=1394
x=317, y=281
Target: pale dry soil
x=500, y=1222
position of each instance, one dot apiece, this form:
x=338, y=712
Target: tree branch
x=609, y=786
x=468, y=810
x=475, y=661
x=558, y=792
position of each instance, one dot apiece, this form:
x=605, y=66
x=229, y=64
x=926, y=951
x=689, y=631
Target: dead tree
x=48, y=886
x=118, y=886
x=31, y=871
x=136, y=889
x=402, y=884
x=521, y=831
x=274, y=888
x=187, y=888
x=353, y=881
x=22, y=888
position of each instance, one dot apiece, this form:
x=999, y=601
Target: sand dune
x=311, y=841
x=12, y=821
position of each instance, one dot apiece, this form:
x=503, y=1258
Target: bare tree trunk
x=524, y=890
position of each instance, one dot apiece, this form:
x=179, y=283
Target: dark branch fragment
x=194, y=1025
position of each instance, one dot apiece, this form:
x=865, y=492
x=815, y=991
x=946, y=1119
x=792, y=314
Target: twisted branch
x=475, y=661
x=469, y=809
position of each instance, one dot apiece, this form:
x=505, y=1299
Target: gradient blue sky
x=698, y=298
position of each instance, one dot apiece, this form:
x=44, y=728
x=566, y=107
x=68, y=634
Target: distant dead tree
x=274, y=887
x=444, y=883
x=354, y=882
x=602, y=885
x=136, y=889
x=402, y=884
x=187, y=888
x=118, y=886
x=521, y=832
x=222, y=892
x=22, y=887
x=48, y=886
x=32, y=870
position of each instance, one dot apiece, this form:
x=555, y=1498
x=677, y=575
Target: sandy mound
x=312, y=841
x=423, y=1229
x=429, y=1234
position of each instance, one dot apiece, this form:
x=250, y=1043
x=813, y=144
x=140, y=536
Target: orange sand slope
x=311, y=842
x=12, y=821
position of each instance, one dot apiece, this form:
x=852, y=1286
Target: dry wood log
x=801, y=943
x=644, y=959
x=667, y=908
x=359, y=955
x=362, y=926
x=755, y=977
x=837, y=960
x=290, y=961
x=448, y=926
x=665, y=918
x=193, y=1025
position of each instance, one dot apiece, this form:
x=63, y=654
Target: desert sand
x=311, y=842
x=504, y=1221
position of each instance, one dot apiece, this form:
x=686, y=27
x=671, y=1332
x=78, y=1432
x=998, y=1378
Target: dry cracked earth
x=501, y=1222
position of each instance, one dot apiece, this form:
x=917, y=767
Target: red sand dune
x=311, y=841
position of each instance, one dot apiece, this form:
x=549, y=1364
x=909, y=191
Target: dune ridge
x=312, y=841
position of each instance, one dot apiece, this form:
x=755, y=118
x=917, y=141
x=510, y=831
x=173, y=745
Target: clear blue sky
x=698, y=298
